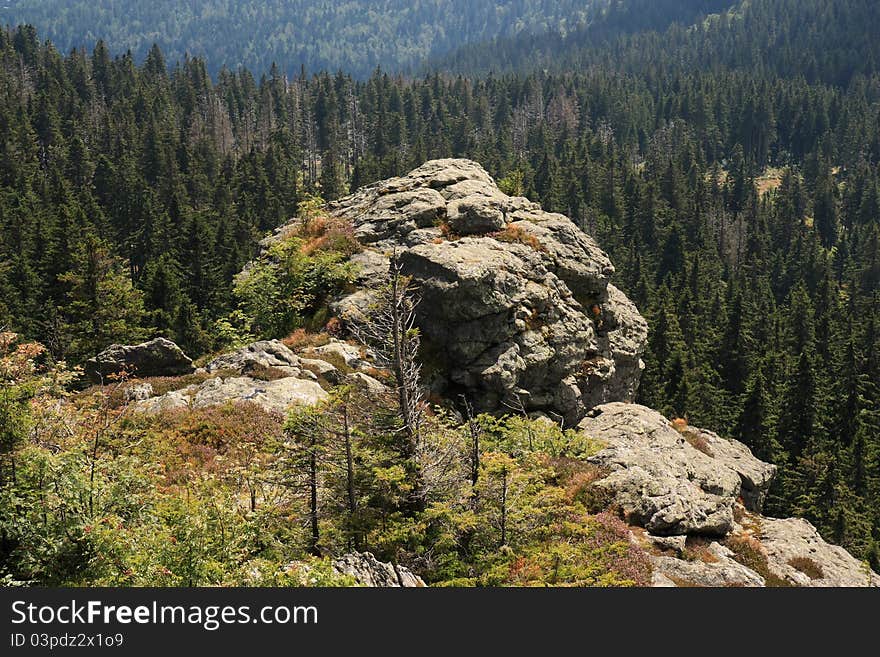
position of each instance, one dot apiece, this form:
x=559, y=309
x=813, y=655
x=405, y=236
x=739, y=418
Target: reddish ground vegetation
x=807, y=566
x=515, y=234
x=302, y=339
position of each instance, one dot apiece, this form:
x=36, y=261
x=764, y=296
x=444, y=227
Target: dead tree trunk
x=389, y=331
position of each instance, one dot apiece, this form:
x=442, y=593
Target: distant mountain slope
x=609, y=20
x=353, y=35
x=821, y=40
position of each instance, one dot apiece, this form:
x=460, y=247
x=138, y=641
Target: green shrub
x=291, y=282
x=516, y=434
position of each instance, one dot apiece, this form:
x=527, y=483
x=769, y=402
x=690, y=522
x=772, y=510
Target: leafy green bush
x=292, y=280
x=516, y=434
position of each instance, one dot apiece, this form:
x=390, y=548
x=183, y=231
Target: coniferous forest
x=355, y=37
x=729, y=166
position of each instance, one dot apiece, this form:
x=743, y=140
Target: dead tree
x=388, y=330
x=475, y=432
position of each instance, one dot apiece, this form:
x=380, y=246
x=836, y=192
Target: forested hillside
x=354, y=36
x=733, y=180
x=819, y=40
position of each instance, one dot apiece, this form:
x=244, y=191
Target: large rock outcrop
x=158, y=357
x=699, y=496
x=517, y=308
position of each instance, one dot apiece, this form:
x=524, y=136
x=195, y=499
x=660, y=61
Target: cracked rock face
x=721, y=570
x=263, y=354
x=369, y=571
x=686, y=483
x=665, y=484
x=789, y=541
x=517, y=308
x=274, y=396
x=365, y=569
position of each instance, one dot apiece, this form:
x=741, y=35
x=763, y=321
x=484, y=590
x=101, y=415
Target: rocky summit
x=519, y=315
x=517, y=306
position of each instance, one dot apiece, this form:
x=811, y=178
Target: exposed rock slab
x=322, y=369
x=158, y=357
x=369, y=571
x=656, y=477
x=398, y=213
x=721, y=571
x=503, y=325
x=276, y=396
x=263, y=354
x=755, y=475
x=476, y=214
x=787, y=541
x=661, y=581
x=367, y=383
x=571, y=254
x=349, y=354
x=675, y=543
x=624, y=336
x=662, y=482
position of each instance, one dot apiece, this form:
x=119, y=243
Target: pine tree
x=825, y=209
x=101, y=306
x=735, y=348
x=797, y=414
x=754, y=426
x=332, y=186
